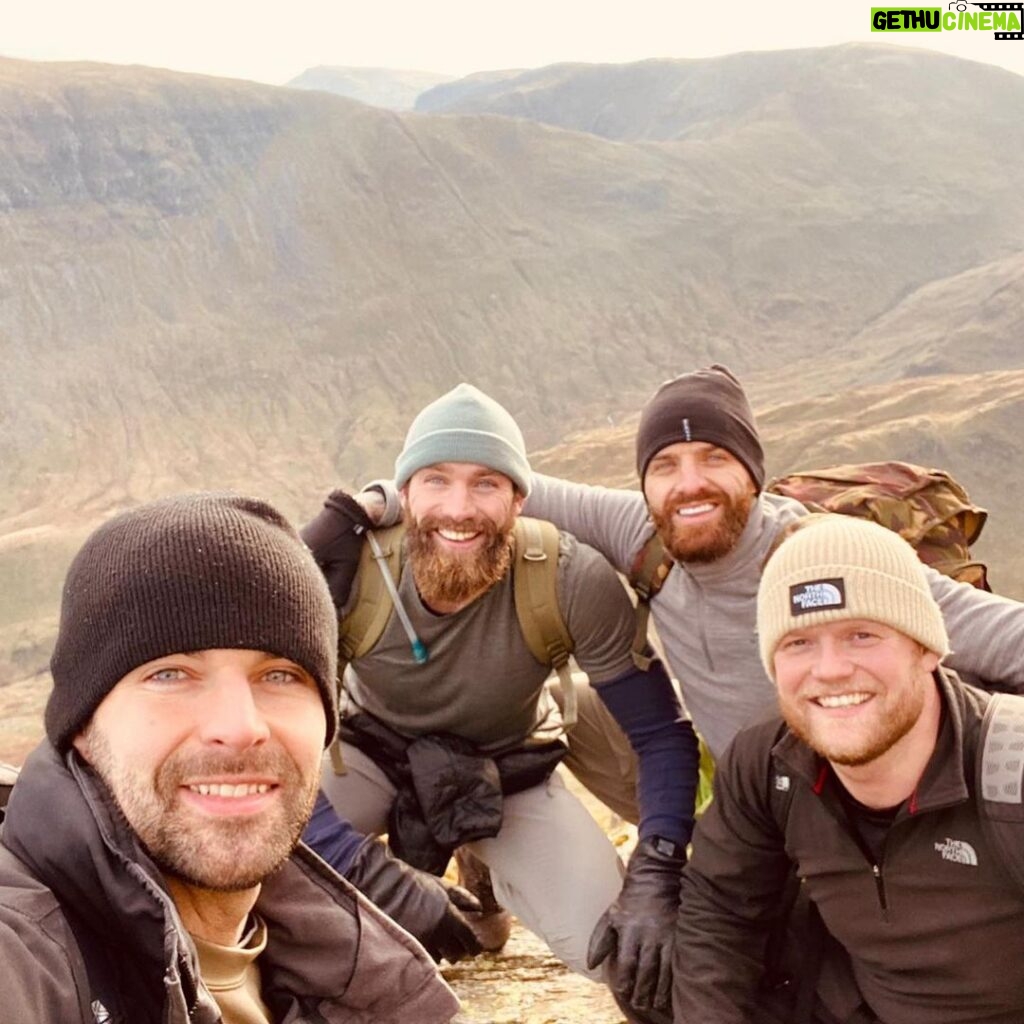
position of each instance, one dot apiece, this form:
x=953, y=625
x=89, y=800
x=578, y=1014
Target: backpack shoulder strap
x=1000, y=780
x=647, y=575
x=535, y=585
x=361, y=628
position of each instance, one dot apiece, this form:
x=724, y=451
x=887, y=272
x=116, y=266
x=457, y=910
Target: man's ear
x=518, y=500
x=929, y=661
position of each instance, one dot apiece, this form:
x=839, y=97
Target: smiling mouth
x=458, y=536
x=689, y=511
x=841, y=700
x=223, y=789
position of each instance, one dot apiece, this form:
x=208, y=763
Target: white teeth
x=458, y=534
x=225, y=790
x=694, y=510
x=842, y=700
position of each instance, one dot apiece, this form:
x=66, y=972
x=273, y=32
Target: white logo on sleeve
x=958, y=852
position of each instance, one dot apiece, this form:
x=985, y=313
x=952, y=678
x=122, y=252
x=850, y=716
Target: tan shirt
x=232, y=975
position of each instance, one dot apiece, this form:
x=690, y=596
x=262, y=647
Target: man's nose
x=689, y=477
x=832, y=661
x=230, y=715
x=458, y=502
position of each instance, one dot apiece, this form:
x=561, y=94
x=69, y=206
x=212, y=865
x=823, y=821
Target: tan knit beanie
x=840, y=567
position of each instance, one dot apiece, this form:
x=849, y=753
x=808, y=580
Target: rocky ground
x=525, y=984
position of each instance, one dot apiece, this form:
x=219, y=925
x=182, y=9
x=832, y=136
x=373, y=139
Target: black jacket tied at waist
x=448, y=792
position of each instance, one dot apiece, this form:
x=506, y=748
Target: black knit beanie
x=190, y=573
x=706, y=405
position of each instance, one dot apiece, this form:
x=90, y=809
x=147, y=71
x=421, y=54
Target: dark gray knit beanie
x=189, y=573
x=706, y=405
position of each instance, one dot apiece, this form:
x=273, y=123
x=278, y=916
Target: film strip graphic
x=1018, y=7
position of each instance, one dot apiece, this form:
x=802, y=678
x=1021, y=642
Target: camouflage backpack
x=926, y=507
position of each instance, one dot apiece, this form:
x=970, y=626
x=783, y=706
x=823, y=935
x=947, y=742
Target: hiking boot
x=493, y=923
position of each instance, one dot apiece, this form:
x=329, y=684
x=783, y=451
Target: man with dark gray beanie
x=701, y=470
x=893, y=790
x=150, y=864
x=450, y=699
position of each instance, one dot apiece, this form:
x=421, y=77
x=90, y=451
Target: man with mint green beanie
x=460, y=479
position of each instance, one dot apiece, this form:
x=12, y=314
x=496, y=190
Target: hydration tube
x=419, y=648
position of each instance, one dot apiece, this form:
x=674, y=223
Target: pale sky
x=273, y=41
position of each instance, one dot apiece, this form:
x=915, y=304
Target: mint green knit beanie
x=465, y=425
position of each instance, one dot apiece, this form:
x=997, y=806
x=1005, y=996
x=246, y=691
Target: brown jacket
x=89, y=934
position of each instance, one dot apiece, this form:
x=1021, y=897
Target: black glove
x=423, y=905
x=635, y=933
x=336, y=539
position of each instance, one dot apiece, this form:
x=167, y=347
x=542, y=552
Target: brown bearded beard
x=446, y=577
x=703, y=544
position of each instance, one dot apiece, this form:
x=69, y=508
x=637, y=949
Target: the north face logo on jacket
x=816, y=594
x=958, y=852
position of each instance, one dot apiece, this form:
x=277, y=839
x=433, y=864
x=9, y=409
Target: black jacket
x=934, y=930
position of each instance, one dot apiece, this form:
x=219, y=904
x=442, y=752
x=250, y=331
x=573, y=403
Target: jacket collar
x=102, y=877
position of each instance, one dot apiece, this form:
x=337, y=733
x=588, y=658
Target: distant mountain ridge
x=664, y=100
x=379, y=87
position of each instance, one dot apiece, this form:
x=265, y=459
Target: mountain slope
x=218, y=284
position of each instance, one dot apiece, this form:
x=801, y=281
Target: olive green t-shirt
x=481, y=682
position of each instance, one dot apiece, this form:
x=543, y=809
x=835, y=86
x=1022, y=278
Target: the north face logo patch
x=815, y=595
x=958, y=852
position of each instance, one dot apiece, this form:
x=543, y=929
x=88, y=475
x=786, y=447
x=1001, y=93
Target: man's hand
x=373, y=504
x=635, y=933
x=423, y=905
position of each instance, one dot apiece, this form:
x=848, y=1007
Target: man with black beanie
x=150, y=864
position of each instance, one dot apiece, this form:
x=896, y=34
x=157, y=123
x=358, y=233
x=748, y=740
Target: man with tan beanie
x=866, y=788
x=150, y=863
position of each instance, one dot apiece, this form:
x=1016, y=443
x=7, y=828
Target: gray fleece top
x=706, y=615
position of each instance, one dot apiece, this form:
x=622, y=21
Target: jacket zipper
x=876, y=871
x=701, y=630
